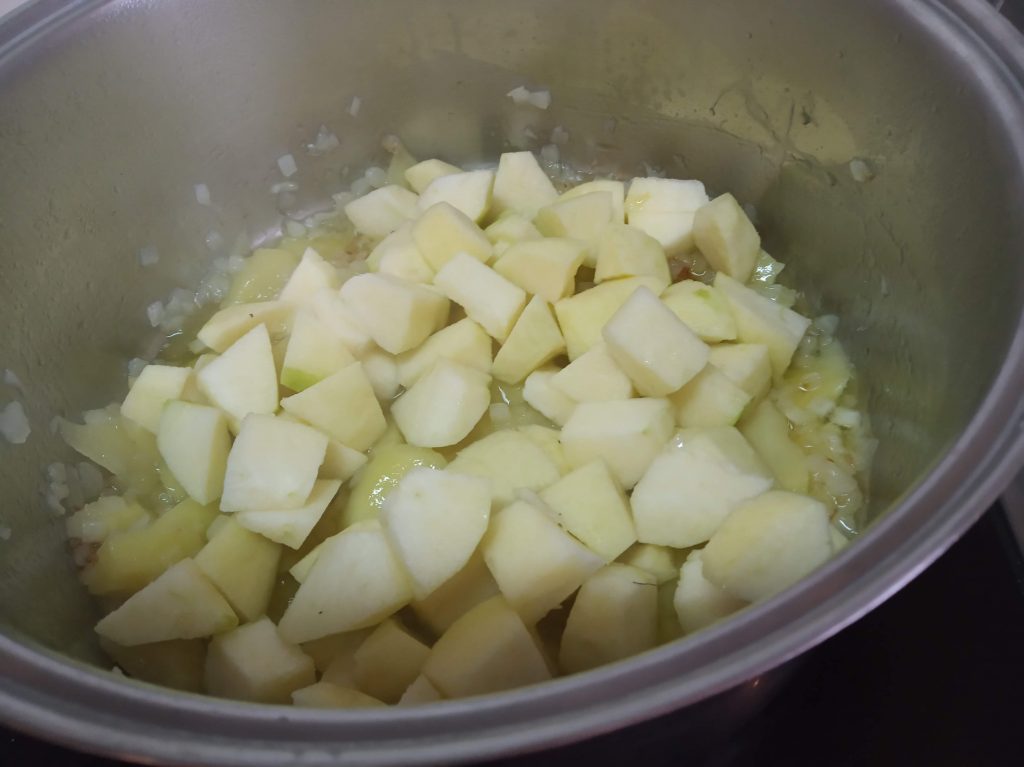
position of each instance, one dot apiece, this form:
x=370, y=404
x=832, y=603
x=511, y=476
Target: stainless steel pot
x=111, y=112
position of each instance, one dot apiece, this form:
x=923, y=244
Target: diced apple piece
x=156, y=385
x=582, y=218
x=300, y=570
x=292, y=526
x=388, y=662
x=535, y=339
x=343, y=406
x=177, y=663
x=423, y=174
x=624, y=251
x=535, y=563
x=548, y=440
x=334, y=655
x=468, y=192
x=128, y=561
x=615, y=616
x=704, y=310
x=313, y=353
x=398, y=255
x=228, y=325
x=464, y=342
x=653, y=346
x=311, y=275
x=443, y=406
x=747, y=365
x=442, y=231
x=328, y=695
x=664, y=195
x=698, y=602
x=726, y=238
x=194, y=442
x=341, y=461
x=272, y=464
x=191, y=392
x=381, y=370
x=510, y=460
x=593, y=377
x=396, y=313
x=382, y=475
x=486, y=650
x=521, y=185
x=380, y=212
x=838, y=538
x=180, y=604
x=355, y=582
x=545, y=268
x=668, y=622
x=106, y=516
x=767, y=431
x=335, y=314
x=590, y=504
x=584, y=315
x=768, y=543
x=709, y=399
x=243, y=567
x=458, y=595
x=672, y=231
x=760, y=320
x=261, y=278
x=254, y=663
x=243, y=379
x=511, y=228
x=488, y=298
x=434, y=519
x=627, y=435
x=694, y=484
x=659, y=561
x=419, y=692
x=616, y=189
x=541, y=394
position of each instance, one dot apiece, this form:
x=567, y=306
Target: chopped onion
x=286, y=164
x=559, y=135
x=355, y=105
x=135, y=367
x=549, y=154
x=5, y=533
x=214, y=240
x=377, y=177
x=284, y=186
x=202, y=194
x=325, y=141
x=522, y=97
x=860, y=171
x=155, y=313
x=148, y=256
x=91, y=479
x=11, y=379
x=14, y=426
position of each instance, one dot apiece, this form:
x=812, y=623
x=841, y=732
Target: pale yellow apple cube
x=422, y=174
x=535, y=563
x=545, y=268
x=535, y=340
x=709, y=399
x=443, y=406
x=673, y=231
x=355, y=582
x=615, y=616
x=590, y=504
x=328, y=695
x=291, y=526
x=726, y=238
x=464, y=342
x=243, y=379
x=488, y=298
x=767, y=430
x=593, y=377
x=694, y=484
x=624, y=251
x=381, y=476
x=243, y=567
x=581, y=218
x=486, y=650
x=626, y=434
x=583, y=316
x=180, y=604
x=541, y=394
x=521, y=185
x=703, y=309
x=458, y=595
x=343, y=406
x=341, y=462
x=381, y=369
x=398, y=255
x=511, y=460
x=194, y=442
x=768, y=543
x=653, y=346
x=155, y=386
x=616, y=189
x=664, y=195
x=231, y=323
x=254, y=663
x=382, y=211
x=660, y=561
x=336, y=315
x=314, y=352
x=698, y=602
x=388, y=662
x=442, y=231
x=468, y=192
x=311, y=275
x=746, y=365
x=510, y=228
x=399, y=315
x=419, y=692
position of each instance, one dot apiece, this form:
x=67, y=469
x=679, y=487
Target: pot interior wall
x=109, y=121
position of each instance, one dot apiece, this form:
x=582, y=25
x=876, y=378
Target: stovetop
x=935, y=676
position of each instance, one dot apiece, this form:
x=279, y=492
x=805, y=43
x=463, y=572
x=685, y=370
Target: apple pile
x=495, y=455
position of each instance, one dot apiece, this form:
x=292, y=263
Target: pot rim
x=48, y=695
